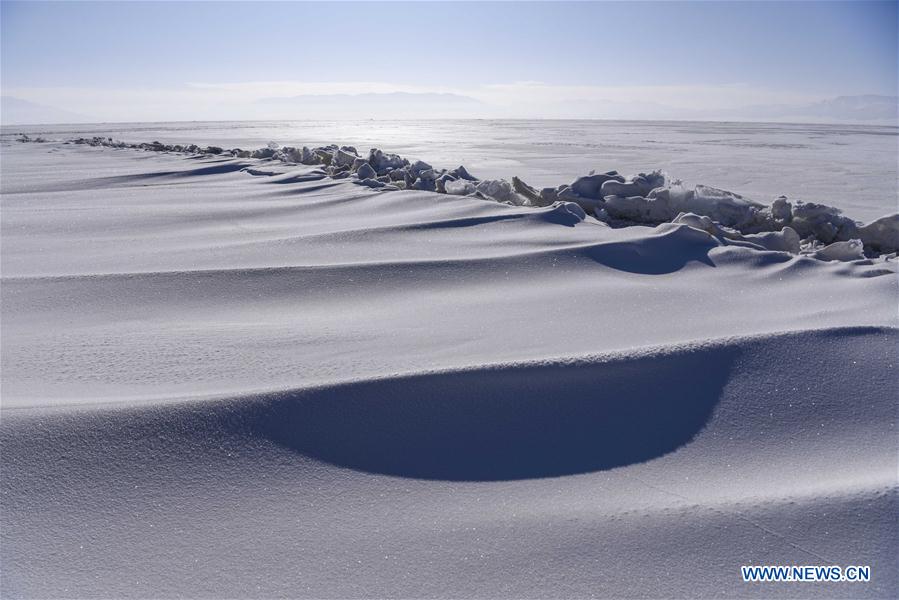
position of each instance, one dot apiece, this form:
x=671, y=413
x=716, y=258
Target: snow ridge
x=649, y=198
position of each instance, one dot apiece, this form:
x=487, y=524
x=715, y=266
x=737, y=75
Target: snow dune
x=219, y=382
x=849, y=166
x=642, y=199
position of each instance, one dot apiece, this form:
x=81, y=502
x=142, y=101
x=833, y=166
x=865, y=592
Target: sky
x=210, y=60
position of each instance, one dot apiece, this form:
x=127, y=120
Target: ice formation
x=850, y=250
x=643, y=199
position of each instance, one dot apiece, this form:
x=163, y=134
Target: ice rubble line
x=642, y=199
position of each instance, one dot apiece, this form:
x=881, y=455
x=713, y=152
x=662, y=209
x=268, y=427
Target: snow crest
x=649, y=198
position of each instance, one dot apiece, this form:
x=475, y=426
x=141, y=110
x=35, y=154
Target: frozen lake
x=219, y=383
x=853, y=167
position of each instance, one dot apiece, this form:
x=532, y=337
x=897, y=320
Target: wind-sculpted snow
x=513, y=480
x=228, y=376
x=646, y=198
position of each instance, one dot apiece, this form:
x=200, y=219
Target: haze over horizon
x=82, y=61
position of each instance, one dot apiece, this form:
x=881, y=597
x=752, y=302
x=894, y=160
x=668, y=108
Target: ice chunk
x=461, y=173
x=590, y=186
x=782, y=210
x=307, y=157
x=727, y=208
x=425, y=185
x=342, y=158
x=548, y=195
x=785, y=240
x=881, y=235
x=365, y=171
x=429, y=174
x=637, y=208
x=459, y=187
x=571, y=211
x=323, y=155
x=845, y=251
x=824, y=223
x=264, y=153
x=381, y=161
x=397, y=175
x=418, y=166
x=440, y=182
x=372, y=183
x=567, y=194
x=532, y=195
x=700, y=222
x=499, y=190
x=640, y=185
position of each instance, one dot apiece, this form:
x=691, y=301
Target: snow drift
x=646, y=198
x=230, y=376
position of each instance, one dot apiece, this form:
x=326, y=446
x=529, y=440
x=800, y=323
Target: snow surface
x=221, y=382
x=640, y=199
x=853, y=167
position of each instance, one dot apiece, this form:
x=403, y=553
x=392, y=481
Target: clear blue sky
x=813, y=48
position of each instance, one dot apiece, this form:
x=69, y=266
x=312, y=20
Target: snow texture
x=227, y=376
x=645, y=198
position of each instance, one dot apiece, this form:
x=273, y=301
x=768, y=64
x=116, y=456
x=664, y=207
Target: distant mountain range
x=868, y=107
x=15, y=111
x=873, y=109
x=395, y=105
x=375, y=97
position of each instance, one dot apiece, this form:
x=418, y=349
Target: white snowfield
x=642, y=199
x=227, y=378
x=853, y=167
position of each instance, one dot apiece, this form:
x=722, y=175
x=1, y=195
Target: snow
x=639, y=199
x=881, y=234
x=846, y=251
x=459, y=187
x=225, y=384
x=853, y=167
